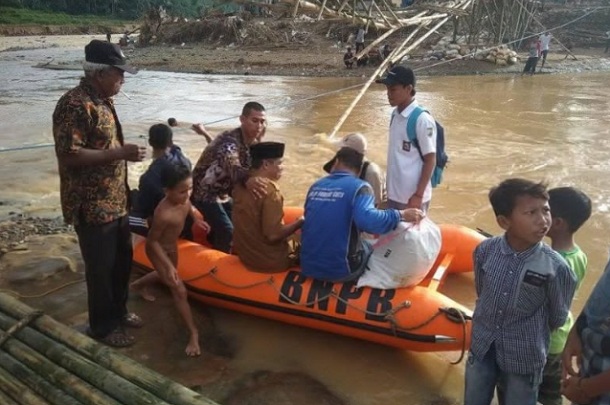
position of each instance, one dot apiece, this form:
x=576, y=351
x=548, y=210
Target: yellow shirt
x=254, y=220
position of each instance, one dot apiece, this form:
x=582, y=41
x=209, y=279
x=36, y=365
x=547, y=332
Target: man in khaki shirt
x=260, y=237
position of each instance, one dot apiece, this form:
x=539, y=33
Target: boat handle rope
x=453, y=314
x=25, y=321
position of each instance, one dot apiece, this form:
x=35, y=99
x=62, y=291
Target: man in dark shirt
x=224, y=163
x=92, y=157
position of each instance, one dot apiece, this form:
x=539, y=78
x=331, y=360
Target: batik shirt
x=224, y=163
x=95, y=194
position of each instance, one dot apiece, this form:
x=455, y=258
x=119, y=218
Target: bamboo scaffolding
x=31, y=379
x=125, y=367
x=71, y=384
x=370, y=81
x=321, y=10
x=544, y=28
x=389, y=8
x=403, y=53
x=396, y=55
x=385, y=19
x=18, y=391
x=105, y=380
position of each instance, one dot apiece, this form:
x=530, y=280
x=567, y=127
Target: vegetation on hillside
x=116, y=9
x=10, y=15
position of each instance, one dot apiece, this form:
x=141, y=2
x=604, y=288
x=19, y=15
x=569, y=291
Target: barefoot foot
x=192, y=349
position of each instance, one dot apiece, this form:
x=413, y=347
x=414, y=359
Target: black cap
x=267, y=150
x=398, y=75
x=106, y=53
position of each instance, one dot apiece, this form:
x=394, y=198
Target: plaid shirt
x=522, y=296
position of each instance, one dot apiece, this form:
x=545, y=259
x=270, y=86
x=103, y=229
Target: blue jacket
x=150, y=189
x=337, y=208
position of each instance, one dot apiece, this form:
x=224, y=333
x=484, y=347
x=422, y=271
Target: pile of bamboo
x=44, y=362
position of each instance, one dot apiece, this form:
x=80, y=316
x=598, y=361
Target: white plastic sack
x=404, y=256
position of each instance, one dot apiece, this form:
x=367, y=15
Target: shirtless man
x=161, y=244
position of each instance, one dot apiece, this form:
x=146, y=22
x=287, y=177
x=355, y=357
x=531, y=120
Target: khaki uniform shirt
x=254, y=220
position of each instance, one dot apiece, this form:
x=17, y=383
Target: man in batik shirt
x=92, y=157
x=224, y=163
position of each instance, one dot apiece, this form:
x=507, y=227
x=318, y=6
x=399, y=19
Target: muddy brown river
x=552, y=127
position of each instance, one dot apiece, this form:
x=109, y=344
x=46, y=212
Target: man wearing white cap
x=370, y=172
x=92, y=158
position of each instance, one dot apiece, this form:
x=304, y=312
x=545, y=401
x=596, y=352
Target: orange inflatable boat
x=418, y=318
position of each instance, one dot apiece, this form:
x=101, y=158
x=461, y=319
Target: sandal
x=132, y=320
x=117, y=338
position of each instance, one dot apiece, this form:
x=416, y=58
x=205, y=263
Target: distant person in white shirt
x=545, y=41
x=360, y=39
x=607, y=41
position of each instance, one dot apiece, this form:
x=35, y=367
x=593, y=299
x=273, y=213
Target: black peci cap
x=398, y=75
x=267, y=150
x=106, y=53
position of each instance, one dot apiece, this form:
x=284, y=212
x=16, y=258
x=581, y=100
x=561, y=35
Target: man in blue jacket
x=337, y=208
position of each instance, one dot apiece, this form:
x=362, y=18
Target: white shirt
x=360, y=35
x=545, y=41
x=404, y=162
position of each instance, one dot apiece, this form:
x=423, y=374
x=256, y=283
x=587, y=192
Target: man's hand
x=571, y=351
x=199, y=128
x=572, y=390
x=413, y=215
x=416, y=201
x=201, y=224
x=132, y=152
x=257, y=186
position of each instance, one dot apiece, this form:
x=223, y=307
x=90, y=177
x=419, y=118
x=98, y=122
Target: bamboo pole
x=390, y=59
x=105, y=380
x=366, y=85
x=369, y=14
x=385, y=3
x=295, y=9
x=18, y=391
x=322, y=10
x=74, y=386
x=343, y=4
x=106, y=357
x=543, y=27
x=376, y=42
x=382, y=15
x=6, y=400
x=39, y=385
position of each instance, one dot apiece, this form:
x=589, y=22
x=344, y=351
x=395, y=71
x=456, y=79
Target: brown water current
x=552, y=128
